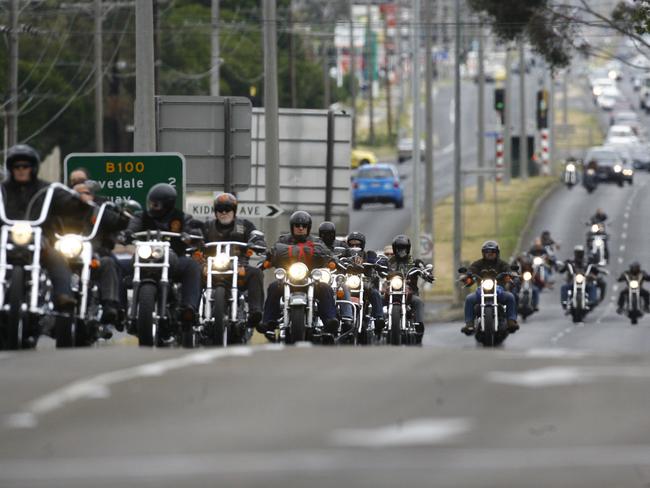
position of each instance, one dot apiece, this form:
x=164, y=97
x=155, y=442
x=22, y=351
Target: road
x=397, y=221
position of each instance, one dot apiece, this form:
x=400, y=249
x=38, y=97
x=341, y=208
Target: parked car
x=609, y=164
x=377, y=184
x=361, y=157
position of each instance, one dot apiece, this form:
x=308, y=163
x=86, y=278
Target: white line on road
x=452, y=111
x=620, y=260
x=566, y=375
x=624, y=235
x=98, y=387
x=626, y=215
x=417, y=432
x=625, y=225
x=622, y=248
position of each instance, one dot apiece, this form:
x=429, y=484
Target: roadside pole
x=370, y=76
x=428, y=118
x=457, y=156
x=507, y=135
x=551, y=123
x=523, y=132
x=12, y=113
x=416, y=160
x=480, y=193
x=353, y=79
x=99, y=96
x=145, y=130
x=215, y=65
x=271, y=144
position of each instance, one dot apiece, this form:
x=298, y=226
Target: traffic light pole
x=480, y=194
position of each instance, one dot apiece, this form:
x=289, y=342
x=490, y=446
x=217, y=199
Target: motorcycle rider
x=226, y=226
x=299, y=236
x=23, y=192
x=402, y=261
x=579, y=264
x=599, y=217
x=327, y=233
x=525, y=263
x=162, y=215
x=78, y=175
x=635, y=273
x=490, y=261
x=357, y=240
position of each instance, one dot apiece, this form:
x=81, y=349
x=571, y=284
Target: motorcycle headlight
x=634, y=284
x=527, y=275
x=298, y=271
x=590, y=171
x=628, y=172
x=321, y=275
x=354, y=282
x=396, y=283
x=221, y=262
x=280, y=274
x=144, y=251
x=580, y=278
x=157, y=252
x=21, y=233
x=488, y=285
x=538, y=261
x=594, y=228
x=617, y=168
x=570, y=167
x=69, y=245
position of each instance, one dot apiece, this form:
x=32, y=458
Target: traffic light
x=500, y=102
x=542, y=109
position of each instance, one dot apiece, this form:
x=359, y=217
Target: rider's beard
x=226, y=220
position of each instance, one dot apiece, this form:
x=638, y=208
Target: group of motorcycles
x=575, y=172
x=154, y=315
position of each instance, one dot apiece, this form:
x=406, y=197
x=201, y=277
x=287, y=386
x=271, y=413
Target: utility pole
x=353, y=78
x=399, y=66
x=480, y=194
x=292, y=60
x=145, y=124
x=457, y=155
x=326, y=73
x=216, y=54
x=370, y=71
x=271, y=143
x=99, y=93
x=416, y=161
x=428, y=122
x=507, y=120
x=12, y=135
x=565, y=98
x=523, y=132
x=551, y=122
x=389, y=109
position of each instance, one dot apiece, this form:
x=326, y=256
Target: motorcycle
x=400, y=328
x=77, y=250
x=24, y=287
x=570, y=176
x=597, y=243
x=155, y=297
x=525, y=301
x=590, y=180
x=492, y=328
x=577, y=305
x=540, y=268
x=633, y=305
x=223, y=313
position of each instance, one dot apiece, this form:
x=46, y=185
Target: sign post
x=130, y=176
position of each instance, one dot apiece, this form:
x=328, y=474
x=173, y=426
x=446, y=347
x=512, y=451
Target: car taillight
x=396, y=184
x=355, y=185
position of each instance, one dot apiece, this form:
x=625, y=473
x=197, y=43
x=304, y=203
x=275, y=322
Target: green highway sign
x=129, y=176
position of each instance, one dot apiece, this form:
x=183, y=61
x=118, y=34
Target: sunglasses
x=21, y=166
x=223, y=209
x=302, y=226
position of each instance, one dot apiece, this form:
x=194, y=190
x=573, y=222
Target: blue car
x=377, y=184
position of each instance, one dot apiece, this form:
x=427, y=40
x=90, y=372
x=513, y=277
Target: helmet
x=401, y=246
x=131, y=206
x=23, y=152
x=327, y=232
x=300, y=217
x=226, y=202
x=490, y=246
x=546, y=234
x=357, y=236
x=635, y=267
x=578, y=251
x=163, y=196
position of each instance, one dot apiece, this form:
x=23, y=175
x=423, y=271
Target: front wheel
x=146, y=326
x=13, y=328
x=219, y=330
x=395, y=326
x=488, y=335
x=297, y=328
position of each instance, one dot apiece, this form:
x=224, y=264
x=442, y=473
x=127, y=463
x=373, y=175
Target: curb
x=533, y=213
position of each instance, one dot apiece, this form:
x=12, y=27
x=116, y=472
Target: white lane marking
x=615, y=287
x=626, y=215
x=624, y=235
x=620, y=260
x=452, y=111
x=447, y=149
x=622, y=247
x=98, y=387
x=566, y=375
x=625, y=225
x=554, y=353
x=417, y=432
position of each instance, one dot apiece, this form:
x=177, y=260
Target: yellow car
x=361, y=158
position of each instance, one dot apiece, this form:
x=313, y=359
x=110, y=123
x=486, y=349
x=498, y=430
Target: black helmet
x=163, y=197
x=578, y=251
x=357, y=236
x=300, y=217
x=546, y=234
x=635, y=267
x=327, y=232
x=23, y=152
x=492, y=246
x=132, y=207
x=401, y=246
x=225, y=202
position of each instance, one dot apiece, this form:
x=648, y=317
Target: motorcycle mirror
x=257, y=233
x=462, y=269
x=429, y=266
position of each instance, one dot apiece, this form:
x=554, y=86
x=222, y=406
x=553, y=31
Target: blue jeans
x=377, y=303
x=590, y=288
x=503, y=297
x=322, y=293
